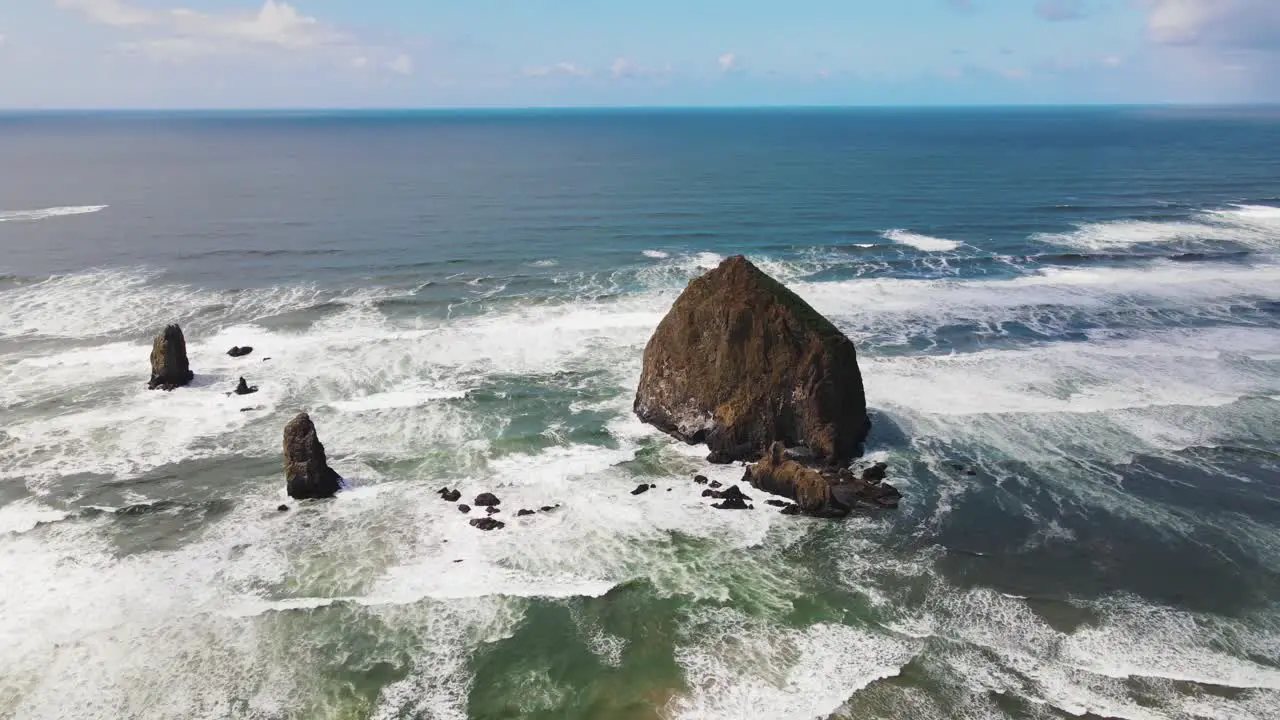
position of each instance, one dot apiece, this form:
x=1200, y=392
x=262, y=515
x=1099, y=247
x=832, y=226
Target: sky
x=550, y=53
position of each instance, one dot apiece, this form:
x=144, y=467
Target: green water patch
x=549, y=669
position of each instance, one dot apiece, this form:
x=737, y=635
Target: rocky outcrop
x=740, y=361
x=486, y=500
x=169, y=365
x=823, y=492
x=487, y=523
x=306, y=469
x=244, y=388
x=449, y=495
x=732, y=499
x=238, y=351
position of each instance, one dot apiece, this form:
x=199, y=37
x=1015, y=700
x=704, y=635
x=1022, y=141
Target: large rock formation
x=306, y=469
x=822, y=492
x=741, y=361
x=169, y=365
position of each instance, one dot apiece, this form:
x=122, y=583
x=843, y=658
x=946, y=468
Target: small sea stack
x=821, y=492
x=306, y=469
x=170, y=367
x=740, y=362
x=244, y=388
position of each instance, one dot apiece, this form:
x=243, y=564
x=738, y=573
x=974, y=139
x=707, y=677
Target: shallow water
x=1080, y=307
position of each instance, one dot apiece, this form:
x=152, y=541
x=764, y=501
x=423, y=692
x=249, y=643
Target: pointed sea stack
x=306, y=470
x=740, y=362
x=169, y=365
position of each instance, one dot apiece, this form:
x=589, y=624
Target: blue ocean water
x=1068, y=323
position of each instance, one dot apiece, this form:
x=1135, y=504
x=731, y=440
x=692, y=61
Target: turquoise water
x=1080, y=307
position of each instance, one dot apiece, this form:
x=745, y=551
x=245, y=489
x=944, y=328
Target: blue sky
x=520, y=53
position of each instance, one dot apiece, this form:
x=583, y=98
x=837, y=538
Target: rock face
x=169, y=365
x=306, y=469
x=819, y=492
x=740, y=361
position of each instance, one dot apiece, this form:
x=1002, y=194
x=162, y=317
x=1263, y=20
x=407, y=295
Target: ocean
x=1068, y=323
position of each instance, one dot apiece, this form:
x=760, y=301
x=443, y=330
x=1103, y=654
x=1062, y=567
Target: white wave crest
x=926, y=243
x=656, y=254
x=33, y=215
x=1253, y=226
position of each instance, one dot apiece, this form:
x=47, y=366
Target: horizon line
x=624, y=108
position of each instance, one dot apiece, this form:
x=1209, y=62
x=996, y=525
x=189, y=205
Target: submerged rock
x=493, y=510
x=821, y=492
x=776, y=502
x=740, y=361
x=238, y=351
x=486, y=500
x=245, y=389
x=641, y=488
x=487, y=523
x=548, y=508
x=523, y=513
x=170, y=367
x=306, y=469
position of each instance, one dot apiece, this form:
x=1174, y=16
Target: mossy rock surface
x=741, y=361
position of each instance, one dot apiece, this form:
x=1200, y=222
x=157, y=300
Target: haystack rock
x=169, y=365
x=306, y=469
x=740, y=362
x=823, y=492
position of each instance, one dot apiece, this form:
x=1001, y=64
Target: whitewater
x=1082, y=421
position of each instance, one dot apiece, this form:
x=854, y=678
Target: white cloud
x=566, y=69
x=728, y=62
x=624, y=68
x=401, y=65
x=1218, y=23
x=1113, y=61
x=276, y=26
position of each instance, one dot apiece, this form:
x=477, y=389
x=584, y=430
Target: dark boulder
x=238, y=351
x=283, y=508
x=486, y=500
x=716, y=484
x=169, y=365
x=306, y=469
x=740, y=361
x=732, y=499
x=776, y=502
x=524, y=513
x=245, y=388
x=821, y=492
x=641, y=488
x=548, y=508
x=720, y=457
x=875, y=473
x=493, y=510
x=464, y=508
x=709, y=493
x=449, y=495
x=487, y=523
x=791, y=509
x=701, y=479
